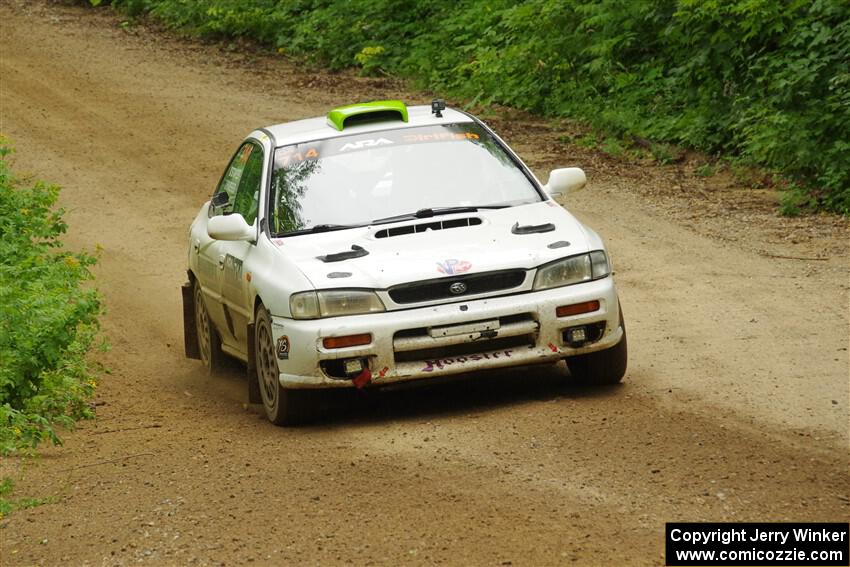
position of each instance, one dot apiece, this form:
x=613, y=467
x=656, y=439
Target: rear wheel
x=603, y=367
x=209, y=345
x=283, y=406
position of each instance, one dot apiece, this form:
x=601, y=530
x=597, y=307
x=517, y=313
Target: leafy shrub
x=48, y=319
x=8, y=505
x=705, y=170
x=767, y=81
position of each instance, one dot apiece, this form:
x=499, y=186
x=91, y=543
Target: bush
x=48, y=319
x=763, y=80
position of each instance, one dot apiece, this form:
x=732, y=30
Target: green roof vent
x=364, y=112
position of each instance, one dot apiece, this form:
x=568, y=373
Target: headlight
x=333, y=303
x=599, y=264
x=573, y=270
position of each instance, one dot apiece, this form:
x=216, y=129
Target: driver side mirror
x=230, y=227
x=565, y=180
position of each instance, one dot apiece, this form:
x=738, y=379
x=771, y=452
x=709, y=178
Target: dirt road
x=735, y=406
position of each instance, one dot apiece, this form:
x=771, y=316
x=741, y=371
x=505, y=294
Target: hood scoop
x=426, y=226
x=355, y=252
x=532, y=228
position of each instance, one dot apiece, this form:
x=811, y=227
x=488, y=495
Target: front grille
x=431, y=290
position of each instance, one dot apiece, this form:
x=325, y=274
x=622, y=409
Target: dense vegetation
x=48, y=318
x=764, y=81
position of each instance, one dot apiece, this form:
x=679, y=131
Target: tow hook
x=363, y=379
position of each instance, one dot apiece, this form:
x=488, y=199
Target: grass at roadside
x=9, y=505
x=48, y=317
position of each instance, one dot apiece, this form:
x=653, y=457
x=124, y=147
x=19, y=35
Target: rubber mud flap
x=190, y=333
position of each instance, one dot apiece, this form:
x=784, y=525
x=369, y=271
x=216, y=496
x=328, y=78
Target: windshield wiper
x=436, y=211
x=317, y=228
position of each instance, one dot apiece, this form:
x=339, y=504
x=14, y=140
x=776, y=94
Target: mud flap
x=190, y=333
x=254, y=396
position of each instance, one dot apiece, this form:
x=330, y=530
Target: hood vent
x=355, y=252
x=425, y=226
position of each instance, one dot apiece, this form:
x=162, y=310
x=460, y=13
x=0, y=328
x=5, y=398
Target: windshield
x=356, y=180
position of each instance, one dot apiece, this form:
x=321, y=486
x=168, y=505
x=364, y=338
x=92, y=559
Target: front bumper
x=404, y=347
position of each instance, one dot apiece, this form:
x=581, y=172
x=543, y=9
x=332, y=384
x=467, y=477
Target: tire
x=209, y=343
x=283, y=406
x=603, y=367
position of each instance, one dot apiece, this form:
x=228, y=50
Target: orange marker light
x=347, y=341
x=577, y=308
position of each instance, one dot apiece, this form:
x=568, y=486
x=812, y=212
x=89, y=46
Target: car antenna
x=438, y=105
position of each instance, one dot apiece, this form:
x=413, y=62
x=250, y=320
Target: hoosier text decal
x=441, y=363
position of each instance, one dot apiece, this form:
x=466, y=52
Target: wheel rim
x=267, y=366
x=202, y=324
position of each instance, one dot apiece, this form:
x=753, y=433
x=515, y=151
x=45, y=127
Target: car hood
x=488, y=246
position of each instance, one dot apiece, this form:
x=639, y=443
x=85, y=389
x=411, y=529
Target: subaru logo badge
x=457, y=288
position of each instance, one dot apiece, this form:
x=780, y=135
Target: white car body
x=411, y=339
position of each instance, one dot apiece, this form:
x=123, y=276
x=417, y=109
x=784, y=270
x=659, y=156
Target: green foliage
x=48, y=320
x=705, y=170
x=795, y=200
x=766, y=81
x=613, y=147
x=664, y=153
x=7, y=505
x=369, y=57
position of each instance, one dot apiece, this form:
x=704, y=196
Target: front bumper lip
x=432, y=368
x=302, y=367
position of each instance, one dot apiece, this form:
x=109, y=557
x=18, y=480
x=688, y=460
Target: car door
x=210, y=252
x=233, y=282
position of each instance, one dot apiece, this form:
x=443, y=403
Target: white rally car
x=386, y=243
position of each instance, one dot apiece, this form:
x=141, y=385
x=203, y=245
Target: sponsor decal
x=441, y=137
x=301, y=154
x=440, y=363
x=283, y=348
x=233, y=265
x=245, y=154
x=291, y=156
x=552, y=347
x=383, y=371
x=360, y=144
x=453, y=267
x=232, y=281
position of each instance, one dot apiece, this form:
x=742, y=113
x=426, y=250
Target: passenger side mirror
x=230, y=227
x=565, y=180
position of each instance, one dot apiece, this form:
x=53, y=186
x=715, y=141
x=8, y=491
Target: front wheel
x=603, y=367
x=283, y=406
